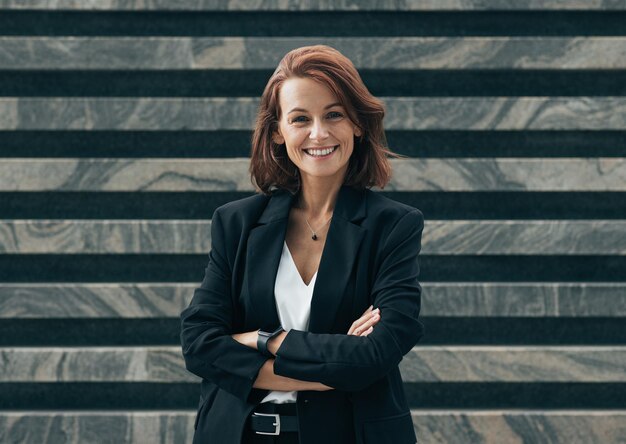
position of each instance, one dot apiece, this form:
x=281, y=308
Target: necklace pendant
x=314, y=237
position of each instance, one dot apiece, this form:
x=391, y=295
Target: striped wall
x=124, y=124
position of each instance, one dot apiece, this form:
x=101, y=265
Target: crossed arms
x=305, y=360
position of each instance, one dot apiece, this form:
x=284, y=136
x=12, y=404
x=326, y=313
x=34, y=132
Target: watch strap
x=263, y=339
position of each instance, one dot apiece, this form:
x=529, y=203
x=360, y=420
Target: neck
x=317, y=200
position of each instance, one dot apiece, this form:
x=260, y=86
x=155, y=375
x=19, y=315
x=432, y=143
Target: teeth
x=320, y=152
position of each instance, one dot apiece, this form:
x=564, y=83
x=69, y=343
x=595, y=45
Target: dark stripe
x=111, y=395
x=244, y=83
x=89, y=332
x=436, y=205
x=190, y=268
x=438, y=331
x=227, y=144
x=313, y=23
x=522, y=330
x=153, y=396
x=496, y=395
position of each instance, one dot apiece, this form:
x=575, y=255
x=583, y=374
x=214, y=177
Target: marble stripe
x=313, y=5
x=231, y=174
x=93, y=364
x=524, y=299
x=519, y=426
x=476, y=237
x=514, y=364
x=80, y=427
x=455, y=299
x=404, y=53
x=402, y=113
x=422, y=364
x=431, y=426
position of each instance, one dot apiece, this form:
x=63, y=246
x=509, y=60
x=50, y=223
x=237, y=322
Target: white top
x=293, y=303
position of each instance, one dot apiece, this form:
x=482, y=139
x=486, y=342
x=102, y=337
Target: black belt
x=265, y=423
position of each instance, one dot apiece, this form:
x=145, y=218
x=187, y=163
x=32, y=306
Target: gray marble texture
x=157, y=53
x=520, y=426
x=94, y=300
x=525, y=299
x=402, y=113
x=409, y=174
x=471, y=237
x=449, y=299
x=93, y=364
x=431, y=427
x=514, y=364
x=422, y=364
x=97, y=427
x=314, y=5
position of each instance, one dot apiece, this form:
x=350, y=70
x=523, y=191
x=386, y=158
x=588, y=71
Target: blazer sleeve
x=206, y=325
x=352, y=363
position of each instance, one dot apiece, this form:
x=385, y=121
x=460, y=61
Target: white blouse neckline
x=293, y=264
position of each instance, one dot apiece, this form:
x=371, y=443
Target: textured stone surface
x=477, y=237
x=422, y=364
x=167, y=300
x=519, y=426
x=411, y=174
x=402, y=113
x=514, y=364
x=524, y=299
x=431, y=427
x=106, y=300
x=157, y=53
x=158, y=427
x=314, y=5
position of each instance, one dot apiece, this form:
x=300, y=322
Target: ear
x=277, y=138
x=357, y=131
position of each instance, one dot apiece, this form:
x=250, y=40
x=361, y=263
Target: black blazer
x=370, y=257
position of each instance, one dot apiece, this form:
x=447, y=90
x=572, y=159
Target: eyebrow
x=326, y=107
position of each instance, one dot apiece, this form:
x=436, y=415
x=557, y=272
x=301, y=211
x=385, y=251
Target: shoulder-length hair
x=270, y=166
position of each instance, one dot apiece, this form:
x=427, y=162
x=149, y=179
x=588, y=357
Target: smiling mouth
x=319, y=153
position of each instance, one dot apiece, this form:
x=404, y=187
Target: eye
x=299, y=119
x=335, y=114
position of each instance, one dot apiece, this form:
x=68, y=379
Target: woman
x=311, y=297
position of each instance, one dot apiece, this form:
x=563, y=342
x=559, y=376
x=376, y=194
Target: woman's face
x=312, y=119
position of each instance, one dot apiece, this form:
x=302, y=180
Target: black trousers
x=249, y=437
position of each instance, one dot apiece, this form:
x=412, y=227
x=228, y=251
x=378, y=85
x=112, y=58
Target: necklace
x=314, y=237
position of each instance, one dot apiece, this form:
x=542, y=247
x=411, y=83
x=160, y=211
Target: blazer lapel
x=265, y=245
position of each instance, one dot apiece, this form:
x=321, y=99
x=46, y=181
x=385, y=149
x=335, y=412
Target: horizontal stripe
x=407, y=113
x=441, y=330
x=423, y=364
x=443, y=205
x=301, y=23
x=454, y=299
x=193, y=237
x=399, y=53
x=410, y=174
x=446, y=425
x=405, y=5
x=189, y=268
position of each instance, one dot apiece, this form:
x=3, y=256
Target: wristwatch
x=263, y=339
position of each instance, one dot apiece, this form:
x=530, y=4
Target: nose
x=318, y=130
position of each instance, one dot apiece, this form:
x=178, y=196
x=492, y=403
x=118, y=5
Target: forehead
x=304, y=93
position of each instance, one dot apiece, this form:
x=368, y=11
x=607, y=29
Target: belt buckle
x=277, y=423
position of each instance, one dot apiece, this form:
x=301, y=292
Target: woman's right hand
x=365, y=324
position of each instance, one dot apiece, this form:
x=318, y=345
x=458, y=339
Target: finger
x=368, y=331
x=367, y=324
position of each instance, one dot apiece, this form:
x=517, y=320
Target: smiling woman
x=311, y=295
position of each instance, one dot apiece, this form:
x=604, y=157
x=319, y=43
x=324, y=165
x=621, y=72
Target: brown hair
x=270, y=166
